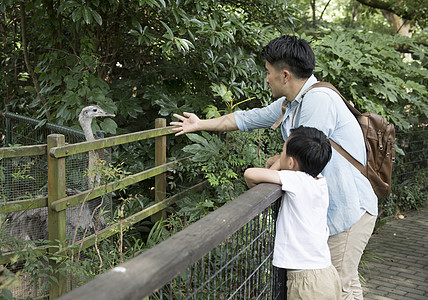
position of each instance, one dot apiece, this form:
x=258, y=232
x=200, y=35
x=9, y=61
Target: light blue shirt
x=350, y=191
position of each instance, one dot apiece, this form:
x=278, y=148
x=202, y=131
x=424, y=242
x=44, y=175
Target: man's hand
x=189, y=124
x=193, y=123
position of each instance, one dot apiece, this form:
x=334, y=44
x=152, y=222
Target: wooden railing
x=243, y=268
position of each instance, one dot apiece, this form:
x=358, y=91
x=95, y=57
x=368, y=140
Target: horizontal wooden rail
x=76, y=148
x=23, y=205
x=7, y=257
x=129, y=221
x=10, y=152
x=151, y=270
x=70, y=201
x=115, y=228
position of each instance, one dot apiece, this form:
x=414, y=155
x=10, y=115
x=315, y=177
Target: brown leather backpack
x=379, y=137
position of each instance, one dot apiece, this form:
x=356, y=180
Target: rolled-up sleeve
x=259, y=117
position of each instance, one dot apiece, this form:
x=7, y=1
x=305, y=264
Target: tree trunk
x=314, y=20
x=401, y=26
x=27, y=59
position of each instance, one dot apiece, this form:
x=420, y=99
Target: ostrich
x=86, y=116
x=31, y=224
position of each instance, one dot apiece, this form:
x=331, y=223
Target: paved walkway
x=398, y=265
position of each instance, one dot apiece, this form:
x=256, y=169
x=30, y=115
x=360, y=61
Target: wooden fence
x=57, y=202
x=187, y=252
x=225, y=255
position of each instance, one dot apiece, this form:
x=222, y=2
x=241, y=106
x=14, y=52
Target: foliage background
x=150, y=58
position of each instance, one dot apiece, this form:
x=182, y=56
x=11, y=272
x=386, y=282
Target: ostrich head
x=86, y=116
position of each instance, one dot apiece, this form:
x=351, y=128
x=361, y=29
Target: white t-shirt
x=302, y=232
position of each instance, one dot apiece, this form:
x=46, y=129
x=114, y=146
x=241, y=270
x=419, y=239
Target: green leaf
x=70, y=82
x=6, y=294
x=169, y=35
x=97, y=17
x=87, y=15
x=41, y=123
x=77, y=14
x=211, y=112
x=109, y=126
x=67, y=4
x=192, y=148
x=196, y=138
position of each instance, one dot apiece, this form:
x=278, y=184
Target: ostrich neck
x=87, y=130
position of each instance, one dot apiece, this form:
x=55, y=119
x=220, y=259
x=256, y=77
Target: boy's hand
x=273, y=163
x=254, y=176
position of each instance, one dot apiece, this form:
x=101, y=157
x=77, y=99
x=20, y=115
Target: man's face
x=275, y=80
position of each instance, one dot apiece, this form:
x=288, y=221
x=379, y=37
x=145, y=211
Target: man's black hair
x=310, y=147
x=292, y=53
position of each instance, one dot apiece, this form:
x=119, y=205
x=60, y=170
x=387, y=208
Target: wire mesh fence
x=26, y=177
x=239, y=268
x=225, y=255
x=414, y=146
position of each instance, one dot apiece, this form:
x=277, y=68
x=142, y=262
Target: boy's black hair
x=310, y=147
x=292, y=53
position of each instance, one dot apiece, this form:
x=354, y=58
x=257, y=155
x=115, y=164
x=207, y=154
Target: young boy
x=302, y=233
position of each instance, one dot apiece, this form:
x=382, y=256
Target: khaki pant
x=346, y=249
x=320, y=284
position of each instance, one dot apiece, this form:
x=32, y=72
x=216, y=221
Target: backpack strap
x=348, y=156
x=349, y=104
x=284, y=108
x=354, y=111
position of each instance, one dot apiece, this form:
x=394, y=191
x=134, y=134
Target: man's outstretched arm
x=191, y=123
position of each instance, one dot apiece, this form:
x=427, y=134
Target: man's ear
x=286, y=75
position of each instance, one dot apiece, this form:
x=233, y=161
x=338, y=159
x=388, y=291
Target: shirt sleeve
x=289, y=180
x=259, y=117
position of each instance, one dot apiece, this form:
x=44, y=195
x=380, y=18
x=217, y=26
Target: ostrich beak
x=106, y=114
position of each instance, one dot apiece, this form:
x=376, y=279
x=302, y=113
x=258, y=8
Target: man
x=352, y=209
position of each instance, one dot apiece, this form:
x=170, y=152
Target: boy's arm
x=254, y=176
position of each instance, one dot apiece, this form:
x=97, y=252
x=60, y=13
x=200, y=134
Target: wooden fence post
x=56, y=220
x=160, y=158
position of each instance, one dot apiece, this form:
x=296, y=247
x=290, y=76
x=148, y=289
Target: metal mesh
x=239, y=268
x=25, y=131
x=26, y=178
x=414, y=143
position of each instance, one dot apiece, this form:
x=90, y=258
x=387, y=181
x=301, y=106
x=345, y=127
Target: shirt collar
x=311, y=80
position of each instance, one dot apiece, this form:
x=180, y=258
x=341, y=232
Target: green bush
x=368, y=70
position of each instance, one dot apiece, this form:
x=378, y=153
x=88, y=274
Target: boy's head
x=291, y=53
x=307, y=149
